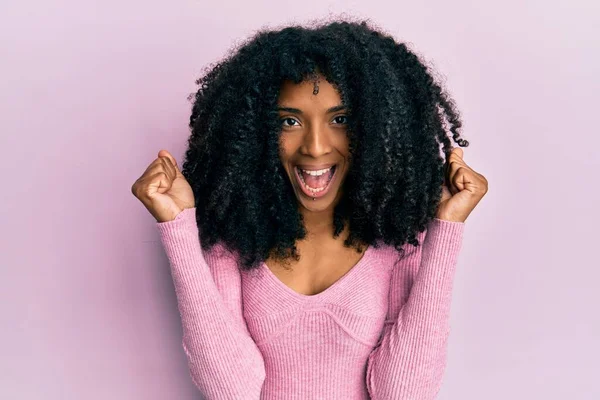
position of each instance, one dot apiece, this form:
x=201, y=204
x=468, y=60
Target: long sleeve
x=410, y=358
x=223, y=359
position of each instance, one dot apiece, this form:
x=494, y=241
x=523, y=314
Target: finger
x=152, y=166
x=165, y=153
x=453, y=168
x=454, y=162
x=457, y=156
x=458, y=152
x=450, y=186
x=168, y=166
x=159, y=182
x=157, y=166
x=462, y=178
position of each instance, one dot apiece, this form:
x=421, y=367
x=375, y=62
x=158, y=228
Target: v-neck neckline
x=327, y=292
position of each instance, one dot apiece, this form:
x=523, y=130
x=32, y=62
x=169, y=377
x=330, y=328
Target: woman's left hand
x=462, y=189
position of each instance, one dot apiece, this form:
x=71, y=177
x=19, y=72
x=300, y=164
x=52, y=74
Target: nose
x=316, y=142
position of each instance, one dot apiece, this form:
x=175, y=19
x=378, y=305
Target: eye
x=288, y=119
x=343, y=117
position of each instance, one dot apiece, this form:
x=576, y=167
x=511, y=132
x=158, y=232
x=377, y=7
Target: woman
x=314, y=227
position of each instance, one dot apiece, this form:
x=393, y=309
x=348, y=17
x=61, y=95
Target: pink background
x=91, y=91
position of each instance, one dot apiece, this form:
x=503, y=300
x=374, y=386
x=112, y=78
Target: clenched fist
x=462, y=190
x=163, y=189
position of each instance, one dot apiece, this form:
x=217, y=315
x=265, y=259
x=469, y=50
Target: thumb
x=165, y=153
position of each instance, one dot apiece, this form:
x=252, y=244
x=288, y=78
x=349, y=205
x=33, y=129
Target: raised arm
x=223, y=359
x=410, y=360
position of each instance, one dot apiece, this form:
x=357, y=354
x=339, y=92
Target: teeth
x=317, y=172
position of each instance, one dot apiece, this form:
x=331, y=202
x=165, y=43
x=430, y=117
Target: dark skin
x=313, y=134
x=316, y=135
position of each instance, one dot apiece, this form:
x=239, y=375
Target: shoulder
x=407, y=257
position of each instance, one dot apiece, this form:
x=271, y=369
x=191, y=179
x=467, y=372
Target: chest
x=315, y=272
x=332, y=300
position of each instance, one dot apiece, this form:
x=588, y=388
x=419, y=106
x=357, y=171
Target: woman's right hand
x=163, y=189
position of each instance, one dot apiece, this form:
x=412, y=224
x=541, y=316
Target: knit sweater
x=379, y=332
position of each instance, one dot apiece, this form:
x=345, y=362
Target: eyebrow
x=298, y=111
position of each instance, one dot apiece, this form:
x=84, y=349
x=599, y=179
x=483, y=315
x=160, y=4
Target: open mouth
x=315, y=183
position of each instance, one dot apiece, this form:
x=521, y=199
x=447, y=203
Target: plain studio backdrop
x=90, y=91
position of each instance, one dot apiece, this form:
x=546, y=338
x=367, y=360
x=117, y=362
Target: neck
x=318, y=224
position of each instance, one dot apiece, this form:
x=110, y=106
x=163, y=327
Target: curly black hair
x=398, y=115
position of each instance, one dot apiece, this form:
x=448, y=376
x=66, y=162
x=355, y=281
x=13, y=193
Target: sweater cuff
x=443, y=241
x=185, y=219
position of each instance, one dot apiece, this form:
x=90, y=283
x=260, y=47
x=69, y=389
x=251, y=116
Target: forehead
x=301, y=95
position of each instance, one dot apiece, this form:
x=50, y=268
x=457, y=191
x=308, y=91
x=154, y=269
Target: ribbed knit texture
x=380, y=332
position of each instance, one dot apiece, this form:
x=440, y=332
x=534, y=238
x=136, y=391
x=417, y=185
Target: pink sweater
x=380, y=332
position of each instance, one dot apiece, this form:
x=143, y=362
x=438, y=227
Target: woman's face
x=313, y=143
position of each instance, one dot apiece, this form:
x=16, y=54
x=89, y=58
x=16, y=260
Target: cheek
x=287, y=148
x=343, y=146
x=283, y=150
x=284, y=155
